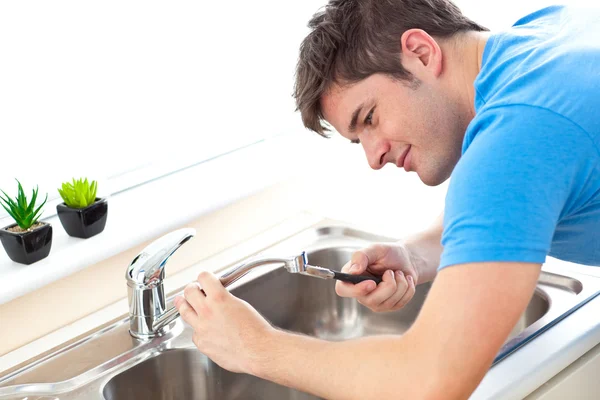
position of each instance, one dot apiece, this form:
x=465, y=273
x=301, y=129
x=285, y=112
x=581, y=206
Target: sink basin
x=118, y=367
x=308, y=305
x=187, y=374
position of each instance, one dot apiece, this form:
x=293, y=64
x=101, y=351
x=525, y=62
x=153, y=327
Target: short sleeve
x=520, y=174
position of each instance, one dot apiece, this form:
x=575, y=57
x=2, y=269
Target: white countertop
x=513, y=378
x=523, y=371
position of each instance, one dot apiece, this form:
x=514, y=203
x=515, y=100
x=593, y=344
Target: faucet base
x=140, y=328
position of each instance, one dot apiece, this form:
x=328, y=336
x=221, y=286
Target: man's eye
x=369, y=118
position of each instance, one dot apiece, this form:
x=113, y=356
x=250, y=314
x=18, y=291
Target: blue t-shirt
x=528, y=182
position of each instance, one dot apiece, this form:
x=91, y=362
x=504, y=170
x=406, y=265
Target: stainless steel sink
x=109, y=364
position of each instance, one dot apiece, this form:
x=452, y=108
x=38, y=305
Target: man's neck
x=463, y=61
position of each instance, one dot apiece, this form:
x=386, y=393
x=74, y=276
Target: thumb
x=361, y=259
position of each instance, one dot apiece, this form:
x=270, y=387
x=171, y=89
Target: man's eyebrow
x=354, y=120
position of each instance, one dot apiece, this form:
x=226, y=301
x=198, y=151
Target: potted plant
x=82, y=214
x=28, y=240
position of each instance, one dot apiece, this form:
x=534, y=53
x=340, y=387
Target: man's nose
x=375, y=157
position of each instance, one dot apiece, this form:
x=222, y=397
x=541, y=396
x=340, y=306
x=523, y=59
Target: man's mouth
x=402, y=158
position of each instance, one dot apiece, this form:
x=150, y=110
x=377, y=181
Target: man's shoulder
x=527, y=169
x=546, y=60
x=529, y=127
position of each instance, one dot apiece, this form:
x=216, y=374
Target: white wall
x=99, y=88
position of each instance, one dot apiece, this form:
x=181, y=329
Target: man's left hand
x=226, y=329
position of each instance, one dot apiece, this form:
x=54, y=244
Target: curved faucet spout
x=145, y=274
x=294, y=264
x=147, y=268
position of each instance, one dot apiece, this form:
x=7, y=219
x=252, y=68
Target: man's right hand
x=393, y=262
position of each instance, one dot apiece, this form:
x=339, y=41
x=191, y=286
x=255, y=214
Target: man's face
x=419, y=129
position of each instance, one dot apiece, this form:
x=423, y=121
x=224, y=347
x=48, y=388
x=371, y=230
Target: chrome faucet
x=145, y=275
x=147, y=306
x=145, y=289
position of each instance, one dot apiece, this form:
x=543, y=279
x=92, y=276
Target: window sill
x=157, y=207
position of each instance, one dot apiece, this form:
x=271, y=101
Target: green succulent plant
x=78, y=194
x=25, y=214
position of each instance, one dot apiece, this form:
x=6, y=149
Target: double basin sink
x=109, y=364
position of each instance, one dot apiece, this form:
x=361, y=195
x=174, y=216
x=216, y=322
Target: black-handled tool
x=341, y=276
x=326, y=273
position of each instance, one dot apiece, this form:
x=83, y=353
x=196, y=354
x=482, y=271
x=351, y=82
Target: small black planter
x=84, y=222
x=27, y=247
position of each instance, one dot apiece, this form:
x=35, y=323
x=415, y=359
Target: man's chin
x=432, y=180
x=430, y=183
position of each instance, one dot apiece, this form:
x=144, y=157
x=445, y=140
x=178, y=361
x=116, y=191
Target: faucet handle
x=147, y=268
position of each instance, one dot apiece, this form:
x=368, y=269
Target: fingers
x=212, y=286
x=200, y=294
x=396, y=288
x=193, y=293
x=410, y=292
x=392, y=302
x=187, y=312
x=361, y=259
x=390, y=290
x=346, y=289
x=384, y=291
x=197, y=299
x=393, y=293
x=359, y=263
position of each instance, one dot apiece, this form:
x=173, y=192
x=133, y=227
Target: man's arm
x=468, y=315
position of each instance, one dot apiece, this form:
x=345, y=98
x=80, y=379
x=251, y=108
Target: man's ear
x=421, y=54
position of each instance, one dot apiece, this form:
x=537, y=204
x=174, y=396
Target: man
x=511, y=116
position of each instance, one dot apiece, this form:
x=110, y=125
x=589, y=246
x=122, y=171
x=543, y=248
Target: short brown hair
x=353, y=39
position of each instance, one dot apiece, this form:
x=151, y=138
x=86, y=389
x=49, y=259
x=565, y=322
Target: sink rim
x=312, y=239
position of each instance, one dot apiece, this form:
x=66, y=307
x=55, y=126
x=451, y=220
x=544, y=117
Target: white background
x=123, y=91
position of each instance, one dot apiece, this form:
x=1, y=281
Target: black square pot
x=84, y=222
x=27, y=247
